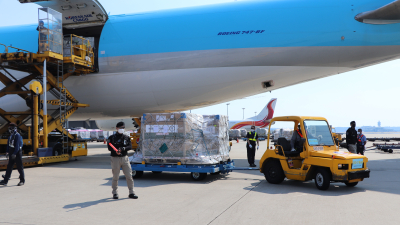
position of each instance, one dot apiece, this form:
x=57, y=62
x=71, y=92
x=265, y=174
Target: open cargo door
x=85, y=18
x=76, y=13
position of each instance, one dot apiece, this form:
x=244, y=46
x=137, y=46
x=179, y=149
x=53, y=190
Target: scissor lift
x=46, y=71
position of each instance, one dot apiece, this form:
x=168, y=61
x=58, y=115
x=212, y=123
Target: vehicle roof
x=297, y=118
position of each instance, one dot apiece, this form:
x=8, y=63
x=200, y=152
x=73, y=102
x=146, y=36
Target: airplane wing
x=386, y=14
x=76, y=13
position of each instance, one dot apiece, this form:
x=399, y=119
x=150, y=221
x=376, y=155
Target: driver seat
x=287, y=147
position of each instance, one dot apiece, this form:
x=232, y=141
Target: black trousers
x=20, y=167
x=360, y=149
x=251, y=153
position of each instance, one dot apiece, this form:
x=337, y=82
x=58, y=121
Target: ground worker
x=361, y=142
x=42, y=36
x=351, y=138
x=296, y=138
x=14, y=155
x=119, y=158
x=252, y=137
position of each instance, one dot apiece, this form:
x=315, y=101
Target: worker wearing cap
x=14, y=148
x=351, y=138
x=361, y=142
x=119, y=159
x=252, y=138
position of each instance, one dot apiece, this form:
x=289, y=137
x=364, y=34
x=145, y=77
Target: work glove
x=250, y=145
x=293, y=150
x=13, y=156
x=258, y=147
x=7, y=155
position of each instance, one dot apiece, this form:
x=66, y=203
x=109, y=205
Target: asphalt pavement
x=79, y=192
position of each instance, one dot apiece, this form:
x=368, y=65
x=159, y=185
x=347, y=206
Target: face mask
x=121, y=131
x=358, y=133
x=11, y=129
x=253, y=130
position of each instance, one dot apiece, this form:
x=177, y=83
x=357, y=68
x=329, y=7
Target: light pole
x=227, y=112
x=255, y=114
x=243, y=113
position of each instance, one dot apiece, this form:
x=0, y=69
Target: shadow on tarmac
x=383, y=178
x=82, y=205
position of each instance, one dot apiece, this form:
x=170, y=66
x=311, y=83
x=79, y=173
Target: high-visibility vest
x=253, y=139
x=299, y=133
x=359, y=138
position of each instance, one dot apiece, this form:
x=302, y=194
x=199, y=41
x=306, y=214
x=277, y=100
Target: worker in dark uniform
x=296, y=138
x=119, y=159
x=361, y=142
x=42, y=36
x=252, y=137
x=351, y=138
x=14, y=155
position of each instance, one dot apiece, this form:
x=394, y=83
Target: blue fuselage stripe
x=247, y=24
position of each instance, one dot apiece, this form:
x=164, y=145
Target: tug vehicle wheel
x=351, y=184
x=322, y=179
x=273, y=172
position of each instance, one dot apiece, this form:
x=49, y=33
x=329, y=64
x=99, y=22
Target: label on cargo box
x=161, y=129
x=209, y=130
x=161, y=118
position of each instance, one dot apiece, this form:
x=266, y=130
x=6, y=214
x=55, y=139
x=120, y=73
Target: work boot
x=253, y=165
x=115, y=196
x=21, y=183
x=3, y=176
x=133, y=196
x=3, y=183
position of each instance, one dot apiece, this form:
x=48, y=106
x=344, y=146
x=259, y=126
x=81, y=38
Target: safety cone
x=104, y=140
x=237, y=140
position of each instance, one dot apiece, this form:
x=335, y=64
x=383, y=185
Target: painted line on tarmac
x=234, y=203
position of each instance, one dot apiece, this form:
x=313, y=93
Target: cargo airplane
x=260, y=121
x=181, y=59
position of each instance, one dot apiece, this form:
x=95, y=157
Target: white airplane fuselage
x=183, y=59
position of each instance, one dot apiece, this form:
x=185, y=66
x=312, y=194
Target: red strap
x=299, y=133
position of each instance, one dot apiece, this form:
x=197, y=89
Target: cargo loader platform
x=45, y=136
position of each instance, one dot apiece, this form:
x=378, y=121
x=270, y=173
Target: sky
x=365, y=95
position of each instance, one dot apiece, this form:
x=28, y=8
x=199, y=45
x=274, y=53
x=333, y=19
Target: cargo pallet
x=46, y=71
x=197, y=172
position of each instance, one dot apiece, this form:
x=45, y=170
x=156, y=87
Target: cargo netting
x=188, y=138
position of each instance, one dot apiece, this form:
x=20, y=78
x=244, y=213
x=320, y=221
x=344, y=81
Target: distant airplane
x=260, y=121
x=183, y=59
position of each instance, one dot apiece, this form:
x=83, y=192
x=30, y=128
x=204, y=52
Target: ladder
x=62, y=105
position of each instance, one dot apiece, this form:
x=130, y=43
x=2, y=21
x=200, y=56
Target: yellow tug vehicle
x=314, y=157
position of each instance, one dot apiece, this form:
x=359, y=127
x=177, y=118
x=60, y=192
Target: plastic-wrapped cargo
x=262, y=132
x=183, y=137
x=243, y=133
x=234, y=133
x=286, y=133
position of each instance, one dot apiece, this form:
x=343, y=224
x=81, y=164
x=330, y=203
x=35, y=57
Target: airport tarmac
x=79, y=192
